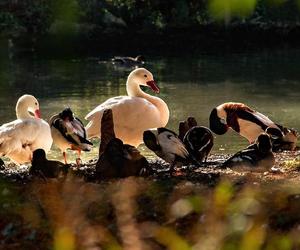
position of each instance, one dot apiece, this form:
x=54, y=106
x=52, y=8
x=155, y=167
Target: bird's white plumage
x=133, y=114
x=19, y=138
x=251, y=130
x=248, y=129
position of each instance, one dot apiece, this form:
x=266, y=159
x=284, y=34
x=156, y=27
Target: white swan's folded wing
x=17, y=135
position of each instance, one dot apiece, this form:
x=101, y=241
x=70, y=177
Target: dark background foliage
x=36, y=17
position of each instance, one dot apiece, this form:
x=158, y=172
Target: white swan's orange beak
x=153, y=86
x=37, y=113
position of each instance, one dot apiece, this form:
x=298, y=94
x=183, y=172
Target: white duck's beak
x=37, y=113
x=153, y=86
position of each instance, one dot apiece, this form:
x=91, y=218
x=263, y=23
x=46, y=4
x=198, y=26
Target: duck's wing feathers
x=249, y=115
x=246, y=155
x=79, y=130
x=108, y=104
x=66, y=131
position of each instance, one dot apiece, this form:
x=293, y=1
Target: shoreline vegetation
x=243, y=210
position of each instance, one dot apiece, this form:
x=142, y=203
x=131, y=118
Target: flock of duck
x=125, y=122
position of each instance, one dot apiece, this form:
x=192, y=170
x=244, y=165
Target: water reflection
x=266, y=81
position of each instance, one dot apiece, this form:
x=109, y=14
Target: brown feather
x=192, y=122
x=107, y=129
x=233, y=106
x=185, y=126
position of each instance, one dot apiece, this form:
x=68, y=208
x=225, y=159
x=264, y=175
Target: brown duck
x=116, y=159
x=257, y=156
x=247, y=122
x=198, y=140
x=42, y=167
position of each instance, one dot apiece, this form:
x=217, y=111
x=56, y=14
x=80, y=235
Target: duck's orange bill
x=153, y=86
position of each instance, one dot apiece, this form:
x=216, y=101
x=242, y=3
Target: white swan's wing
x=17, y=135
x=108, y=104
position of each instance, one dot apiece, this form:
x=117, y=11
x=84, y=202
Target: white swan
x=133, y=114
x=19, y=138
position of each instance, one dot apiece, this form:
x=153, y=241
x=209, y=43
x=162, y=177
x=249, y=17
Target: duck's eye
x=169, y=136
x=223, y=121
x=35, y=103
x=145, y=76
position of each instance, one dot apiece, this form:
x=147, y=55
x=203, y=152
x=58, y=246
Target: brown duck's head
x=39, y=155
x=292, y=133
x=67, y=114
x=38, y=161
x=291, y=136
x=182, y=129
x=217, y=121
x=132, y=153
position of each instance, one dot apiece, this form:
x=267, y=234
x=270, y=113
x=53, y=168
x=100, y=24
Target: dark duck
x=116, y=159
x=283, y=138
x=198, y=140
x=245, y=121
x=257, y=156
x=42, y=167
x=68, y=132
x=129, y=61
x=2, y=164
x=166, y=145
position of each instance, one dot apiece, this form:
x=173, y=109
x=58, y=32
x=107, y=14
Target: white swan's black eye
x=145, y=76
x=35, y=103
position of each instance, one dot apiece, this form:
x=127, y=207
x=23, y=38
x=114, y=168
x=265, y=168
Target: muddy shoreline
x=287, y=167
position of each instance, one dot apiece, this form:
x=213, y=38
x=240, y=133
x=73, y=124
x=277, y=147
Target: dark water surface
x=268, y=81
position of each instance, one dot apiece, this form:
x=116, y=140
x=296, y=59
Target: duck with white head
x=19, y=138
x=134, y=113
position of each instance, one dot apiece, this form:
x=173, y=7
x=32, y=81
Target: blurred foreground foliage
x=36, y=17
x=137, y=213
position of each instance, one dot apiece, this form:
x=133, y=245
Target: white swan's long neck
x=22, y=111
x=134, y=90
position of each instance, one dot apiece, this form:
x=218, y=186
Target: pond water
x=267, y=81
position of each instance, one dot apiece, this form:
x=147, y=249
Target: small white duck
x=68, y=133
x=19, y=138
x=133, y=114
